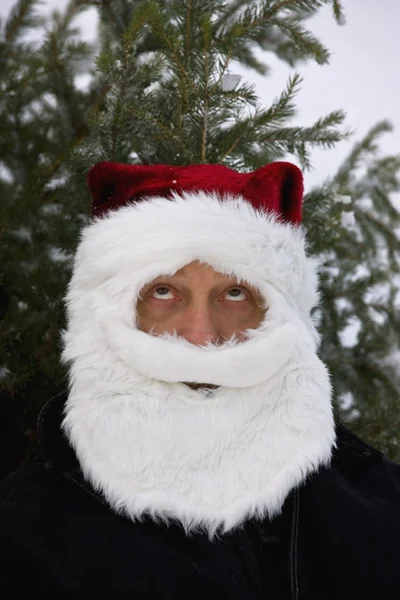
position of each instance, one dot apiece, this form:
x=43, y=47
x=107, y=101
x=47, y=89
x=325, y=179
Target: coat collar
x=350, y=455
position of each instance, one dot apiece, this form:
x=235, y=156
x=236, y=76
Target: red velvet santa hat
x=276, y=187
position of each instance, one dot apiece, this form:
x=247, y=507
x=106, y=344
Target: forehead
x=199, y=271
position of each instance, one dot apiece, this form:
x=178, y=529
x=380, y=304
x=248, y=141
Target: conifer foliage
x=161, y=91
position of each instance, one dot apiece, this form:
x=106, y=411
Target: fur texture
x=148, y=441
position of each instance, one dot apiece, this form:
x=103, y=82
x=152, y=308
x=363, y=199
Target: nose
x=198, y=328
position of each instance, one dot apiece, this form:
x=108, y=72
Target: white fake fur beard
x=148, y=442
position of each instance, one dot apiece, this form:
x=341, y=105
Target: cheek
x=156, y=314
x=240, y=316
x=162, y=308
x=256, y=319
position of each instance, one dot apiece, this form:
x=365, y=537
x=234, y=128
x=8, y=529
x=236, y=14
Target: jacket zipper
x=293, y=556
x=294, y=590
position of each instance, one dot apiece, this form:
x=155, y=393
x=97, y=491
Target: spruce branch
x=21, y=18
x=188, y=29
x=283, y=108
x=164, y=32
x=305, y=42
x=158, y=125
x=206, y=92
x=361, y=151
x=242, y=129
x=338, y=12
x=223, y=66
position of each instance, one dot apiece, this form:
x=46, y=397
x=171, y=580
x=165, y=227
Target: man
x=196, y=455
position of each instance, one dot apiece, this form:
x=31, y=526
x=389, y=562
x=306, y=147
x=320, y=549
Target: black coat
x=338, y=537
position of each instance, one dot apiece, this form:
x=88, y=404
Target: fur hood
x=151, y=444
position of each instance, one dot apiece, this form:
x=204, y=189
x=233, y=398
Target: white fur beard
x=206, y=459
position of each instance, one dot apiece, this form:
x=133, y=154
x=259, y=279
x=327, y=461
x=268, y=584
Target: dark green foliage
x=357, y=235
x=161, y=92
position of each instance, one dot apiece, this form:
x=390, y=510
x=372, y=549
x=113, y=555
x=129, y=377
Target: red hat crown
x=276, y=187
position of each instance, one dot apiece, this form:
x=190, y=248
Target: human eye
x=236, y=294
x=162, y=292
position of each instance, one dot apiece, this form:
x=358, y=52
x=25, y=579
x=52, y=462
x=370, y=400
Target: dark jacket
x=338, y=537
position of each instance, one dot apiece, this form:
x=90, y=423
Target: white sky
x=363, y=76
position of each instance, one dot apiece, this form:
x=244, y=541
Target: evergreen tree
x=161, y=92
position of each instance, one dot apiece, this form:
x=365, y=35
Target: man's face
x=200, y=305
